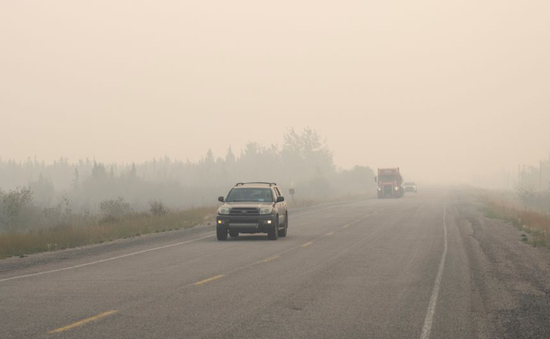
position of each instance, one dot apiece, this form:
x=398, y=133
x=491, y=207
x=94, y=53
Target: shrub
x=16, y=209
x=533, y=199
x=157, y=208
x=114, y=209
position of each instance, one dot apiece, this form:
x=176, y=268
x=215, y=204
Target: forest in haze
x=88, y=187
x=35, y=194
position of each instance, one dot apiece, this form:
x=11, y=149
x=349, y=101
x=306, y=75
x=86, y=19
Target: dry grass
x=68, y=236
x=535, y=223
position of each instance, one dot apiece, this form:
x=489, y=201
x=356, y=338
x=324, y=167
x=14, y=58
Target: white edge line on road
x=427, y=328
x=104, y=260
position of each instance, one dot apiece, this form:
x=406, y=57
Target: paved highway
x=416, y=267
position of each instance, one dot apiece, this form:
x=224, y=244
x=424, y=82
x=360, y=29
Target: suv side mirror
x=280, y=199
x=221, y=199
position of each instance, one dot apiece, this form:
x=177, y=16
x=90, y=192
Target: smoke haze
x=444, y=90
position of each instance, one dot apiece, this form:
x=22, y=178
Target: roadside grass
x=533, y=223
x=98, y=231
x=69, y=230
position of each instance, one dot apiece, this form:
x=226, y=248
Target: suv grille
x=244, y=211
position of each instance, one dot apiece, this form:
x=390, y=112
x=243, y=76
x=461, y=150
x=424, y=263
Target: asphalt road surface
x=428, y=265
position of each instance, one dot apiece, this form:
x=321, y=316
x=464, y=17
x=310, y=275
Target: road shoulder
x=510, y=278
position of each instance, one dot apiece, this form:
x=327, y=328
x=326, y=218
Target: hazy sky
x=443, y=89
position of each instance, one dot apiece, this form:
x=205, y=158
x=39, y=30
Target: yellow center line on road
x=270, y=258
x=355, y=221
x=83, y=322
x=106, y=314
x=208, y=280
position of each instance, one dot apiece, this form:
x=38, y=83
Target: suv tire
x=233, y=234
x=221, y=234
x=273, y=234
x=282, y=233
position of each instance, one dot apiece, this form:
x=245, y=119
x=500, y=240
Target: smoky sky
x=443, y=89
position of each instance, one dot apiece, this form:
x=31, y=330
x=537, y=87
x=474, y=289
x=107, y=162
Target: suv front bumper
x=246, y=224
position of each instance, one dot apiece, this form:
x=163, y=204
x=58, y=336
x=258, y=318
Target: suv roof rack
x=256, y=182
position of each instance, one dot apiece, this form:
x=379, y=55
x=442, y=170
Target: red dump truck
x=389, y=183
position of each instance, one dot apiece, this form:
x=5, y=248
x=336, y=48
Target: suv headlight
x=266, y=210
x=396, y=188
x=223, y=210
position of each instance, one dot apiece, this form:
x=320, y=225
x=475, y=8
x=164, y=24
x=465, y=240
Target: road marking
x=270, y=258
x=237, y=269
x=355, y=221
x=427, y=328
x=83, y=322
x=208, y=280
x=331, y=233
x=104, y=260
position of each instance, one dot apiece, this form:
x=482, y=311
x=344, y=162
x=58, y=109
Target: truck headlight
x=266, y=210
x=223, y=210
x=396, y=188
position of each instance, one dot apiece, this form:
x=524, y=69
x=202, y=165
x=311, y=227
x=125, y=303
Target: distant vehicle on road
x=252, y=207
x=389, y=183
x=410, y=186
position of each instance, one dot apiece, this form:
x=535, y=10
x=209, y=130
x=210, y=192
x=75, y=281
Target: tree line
x=303, y=162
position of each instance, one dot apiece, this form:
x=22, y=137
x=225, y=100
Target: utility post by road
x=540, y=174
x=291, y=191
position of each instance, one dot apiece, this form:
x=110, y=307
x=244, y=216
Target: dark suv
x=252, y=207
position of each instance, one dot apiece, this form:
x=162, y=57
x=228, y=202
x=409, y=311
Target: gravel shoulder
x=510, y=278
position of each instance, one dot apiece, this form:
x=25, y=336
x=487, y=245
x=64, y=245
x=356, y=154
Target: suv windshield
x=250, y=194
